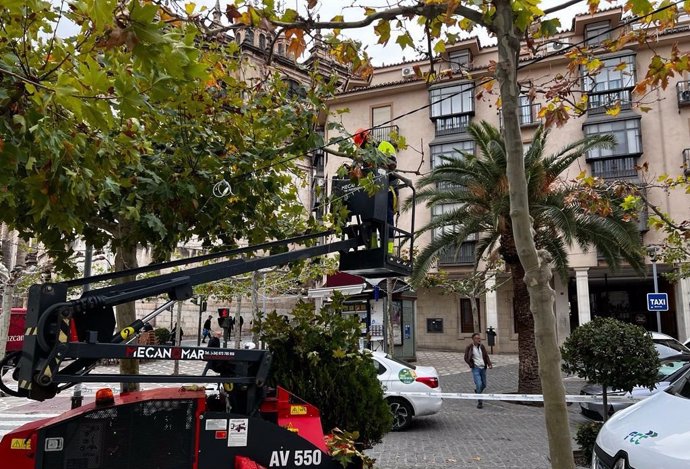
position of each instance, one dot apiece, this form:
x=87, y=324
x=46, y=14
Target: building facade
x=433, y=126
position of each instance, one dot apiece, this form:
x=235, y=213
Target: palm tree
x=477, y=187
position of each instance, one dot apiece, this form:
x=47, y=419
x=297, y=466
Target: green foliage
x=586, y=436
x=119, y=133
x=162, y=335
x=316, y=357
x=611, y=353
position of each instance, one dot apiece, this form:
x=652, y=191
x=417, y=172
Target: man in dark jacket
x=478, y=359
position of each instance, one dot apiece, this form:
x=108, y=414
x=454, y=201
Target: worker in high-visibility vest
x=388, y=149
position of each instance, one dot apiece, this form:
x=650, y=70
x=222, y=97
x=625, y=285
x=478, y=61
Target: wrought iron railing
x=453, y=255
x=601, y=102
x=452, y=124
x=380, y=134
x=614, y=168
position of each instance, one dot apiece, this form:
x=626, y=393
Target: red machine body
x=171, y=429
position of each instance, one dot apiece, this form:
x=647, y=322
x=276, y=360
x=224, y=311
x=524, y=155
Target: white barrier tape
x=515, y=397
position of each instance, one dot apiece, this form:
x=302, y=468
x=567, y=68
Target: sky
x=353, y=10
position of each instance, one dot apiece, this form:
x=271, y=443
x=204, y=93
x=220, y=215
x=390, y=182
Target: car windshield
x=681, y=388
x=665, y=351
x=400, y=362
x=674, y=344
x=668, y=367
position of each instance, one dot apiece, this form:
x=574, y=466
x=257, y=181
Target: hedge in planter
x=316, y=356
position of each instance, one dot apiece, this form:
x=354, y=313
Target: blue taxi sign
x=657, y=302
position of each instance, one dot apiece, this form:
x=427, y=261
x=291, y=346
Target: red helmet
x=361, y=137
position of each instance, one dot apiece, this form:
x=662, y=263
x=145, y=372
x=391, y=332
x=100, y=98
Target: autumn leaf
x=232, y=13
x=383, y=31
x=189, y=8
x=440, y=47
x=405, y=40
x=296, y=43
x=614, y=111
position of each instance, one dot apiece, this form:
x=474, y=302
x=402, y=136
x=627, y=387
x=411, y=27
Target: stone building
x=659, y=138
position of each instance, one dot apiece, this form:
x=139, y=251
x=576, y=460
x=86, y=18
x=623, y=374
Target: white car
x=667, y=345
x=397, y=376
x=652, y=434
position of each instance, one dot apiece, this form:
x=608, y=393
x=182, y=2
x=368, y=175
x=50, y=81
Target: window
x=249, y=37
x=281, y=49
x=459, y=60
x=381, y=123
x=434, y=325
x=262, y=41
x=453, y=254
x=627, y=135
x=380, y=115
x=295, y=89
x=596, y=33
x=451, y=108
x=450, y=150
x=612, y=84
x=528, y=112
x=466, y=321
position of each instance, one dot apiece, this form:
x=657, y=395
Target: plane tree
x=140, y=131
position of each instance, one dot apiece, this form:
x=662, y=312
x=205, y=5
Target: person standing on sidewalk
x=206, y=332
x=478, y=360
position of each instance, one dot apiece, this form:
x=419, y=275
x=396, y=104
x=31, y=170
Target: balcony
x=614, y=168
x=454, y=256
x=686, y=162
x=599, y=103
x=452, y=124
x=384, y=133
x=683, y=93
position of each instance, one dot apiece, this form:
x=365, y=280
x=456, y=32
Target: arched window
x=262, y=41
x=295, y=89
x=249, y=37
x=281, y=49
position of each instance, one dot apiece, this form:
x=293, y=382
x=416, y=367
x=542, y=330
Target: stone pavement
x=501, y=435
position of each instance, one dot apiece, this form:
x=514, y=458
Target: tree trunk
x=475, y=314
x=126, y=258
x=605, y=402
x=536, y=265
x=528, y=374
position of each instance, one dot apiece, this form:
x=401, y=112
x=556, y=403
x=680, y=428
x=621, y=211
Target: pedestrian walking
x=478, y=360
x=206, y=331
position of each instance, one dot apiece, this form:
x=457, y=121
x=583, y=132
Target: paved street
x=501, y=435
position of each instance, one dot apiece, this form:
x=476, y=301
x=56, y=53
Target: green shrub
x=611, y=353
x=316, y=357
x=586, y=436
x=162, y=334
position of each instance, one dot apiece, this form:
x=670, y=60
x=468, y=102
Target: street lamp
x=653, y=256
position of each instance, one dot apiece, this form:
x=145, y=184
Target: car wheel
x=402, y=413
